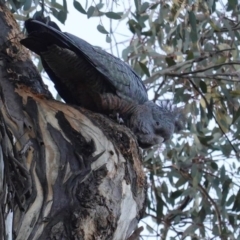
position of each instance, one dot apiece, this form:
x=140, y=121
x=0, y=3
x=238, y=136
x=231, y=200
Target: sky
x=85, y=28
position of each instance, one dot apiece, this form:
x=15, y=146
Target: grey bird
x=90, y=77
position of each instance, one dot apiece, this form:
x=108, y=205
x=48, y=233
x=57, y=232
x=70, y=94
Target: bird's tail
x=41, y=36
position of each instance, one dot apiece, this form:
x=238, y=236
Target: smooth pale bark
x=65, y=172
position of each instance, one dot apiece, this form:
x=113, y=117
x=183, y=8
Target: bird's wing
x=117, y=73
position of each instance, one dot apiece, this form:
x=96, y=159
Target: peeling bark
x=65, y=172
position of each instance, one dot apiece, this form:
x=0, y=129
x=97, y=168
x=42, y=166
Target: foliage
x=187, y=50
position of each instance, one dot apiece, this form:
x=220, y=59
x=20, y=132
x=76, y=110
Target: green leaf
x=57, y=6
x=65, y=6
x=163, y=13
x=190, y=55
x=230, y=200
x=180, y=182
x=236, y=204
x=231, y=5
x=222, y=173
x=126, y=52
x=144, y=7
x=14, y=7
x=90, y=11
x=134, y=26
x=170, y=61
x=214, y=166
x=108, y=38
x=137, y=5
x=236, y=115
x=190, y=230
x=27, y=5
x=193, y=23
x=203, y=86
x=101, y=29
x=54, y=12
x=160, y=204
x=36, y=2
x=144, y=68
x=141, y=21
x=176, y=194
x=205, y=140
x=113, y=15
x=62, y=16
x=154, y=6
x=164, y=189
x=191, y=192
x=202, y=214
x=226, y=150
x=99, y=6
x=229, y=28
x=194, y=170
x=79, y=7
x=231, y=220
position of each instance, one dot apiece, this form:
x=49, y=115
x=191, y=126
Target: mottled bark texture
x=65, y=173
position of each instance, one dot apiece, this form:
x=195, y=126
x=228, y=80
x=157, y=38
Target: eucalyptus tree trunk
x=65, y=172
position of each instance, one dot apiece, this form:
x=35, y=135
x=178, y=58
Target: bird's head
x=154, y=124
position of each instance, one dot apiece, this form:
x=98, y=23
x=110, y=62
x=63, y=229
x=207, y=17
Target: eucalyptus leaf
x=90, y=11
x=79, y=7
x=27, y=5
x=101, y=29
x=108, y=38
x=113, y=15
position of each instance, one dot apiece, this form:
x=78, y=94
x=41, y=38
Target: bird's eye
x=157, y=123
